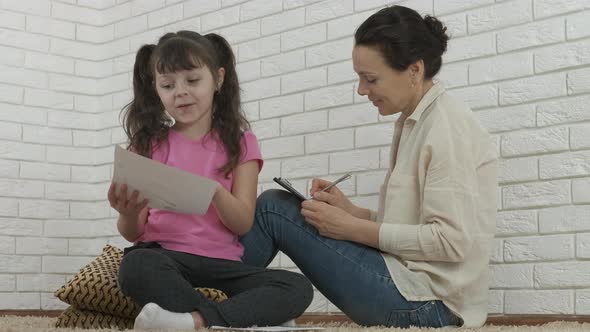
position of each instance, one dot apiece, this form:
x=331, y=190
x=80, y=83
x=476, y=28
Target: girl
x=186, y=114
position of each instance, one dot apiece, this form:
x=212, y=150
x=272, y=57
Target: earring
x=171, y=120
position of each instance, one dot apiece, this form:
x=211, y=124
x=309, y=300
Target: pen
x=342, y=178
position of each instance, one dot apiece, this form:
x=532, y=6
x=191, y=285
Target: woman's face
x=390, y=90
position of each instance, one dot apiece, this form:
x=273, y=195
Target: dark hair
x=404, y=37
x=145, y=122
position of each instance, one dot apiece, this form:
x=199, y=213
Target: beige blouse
x=438, y=206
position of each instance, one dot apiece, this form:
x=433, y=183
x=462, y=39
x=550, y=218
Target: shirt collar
x=436, y=90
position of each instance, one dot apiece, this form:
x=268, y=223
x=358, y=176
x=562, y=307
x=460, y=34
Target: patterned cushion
x=213, y=294
x=95, y=288
x=87, y=319
x=74, y=317
x=95, y=299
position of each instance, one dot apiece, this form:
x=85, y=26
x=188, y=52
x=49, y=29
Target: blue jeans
x=353, y=277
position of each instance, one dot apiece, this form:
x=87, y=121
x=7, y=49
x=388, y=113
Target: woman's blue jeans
x=353, y=277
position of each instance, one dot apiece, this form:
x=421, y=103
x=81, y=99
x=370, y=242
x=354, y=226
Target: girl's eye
x=371, y=80
x=166, y=86
x=193, y=80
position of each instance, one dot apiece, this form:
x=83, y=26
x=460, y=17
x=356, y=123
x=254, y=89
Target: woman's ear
x=220, y=77
x=417, y=71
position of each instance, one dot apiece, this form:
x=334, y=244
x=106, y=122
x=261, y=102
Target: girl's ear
x=220, y=77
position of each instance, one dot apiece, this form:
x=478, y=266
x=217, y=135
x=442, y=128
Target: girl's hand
x=329, y=220
x=129, y=208
x=334, y=196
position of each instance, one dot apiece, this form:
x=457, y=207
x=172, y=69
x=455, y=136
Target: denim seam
x=388, y=278
x=439, y=315
x=415, y=309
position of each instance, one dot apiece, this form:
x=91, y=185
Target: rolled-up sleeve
x=448, y=207
x=372, y=215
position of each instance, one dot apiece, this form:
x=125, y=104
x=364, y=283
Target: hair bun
x=438, y=30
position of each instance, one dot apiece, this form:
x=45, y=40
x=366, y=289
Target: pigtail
x=228, y=119
x=144, y=119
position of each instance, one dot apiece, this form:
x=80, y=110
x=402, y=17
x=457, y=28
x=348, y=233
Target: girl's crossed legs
x=257, y=296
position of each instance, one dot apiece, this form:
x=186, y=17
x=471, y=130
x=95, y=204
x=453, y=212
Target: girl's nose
x=181, y=90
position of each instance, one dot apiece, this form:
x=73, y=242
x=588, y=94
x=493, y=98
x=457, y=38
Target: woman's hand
x=330, y=221
x=130, y=208
x=334, y=196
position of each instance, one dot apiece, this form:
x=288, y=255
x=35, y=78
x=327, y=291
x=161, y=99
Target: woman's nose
x=362, y=89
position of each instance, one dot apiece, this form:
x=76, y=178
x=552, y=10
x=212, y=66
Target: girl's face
x=390, y=90
x=187, y=95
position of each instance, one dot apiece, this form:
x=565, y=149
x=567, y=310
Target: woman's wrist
x=364, y=232
x=360, y=213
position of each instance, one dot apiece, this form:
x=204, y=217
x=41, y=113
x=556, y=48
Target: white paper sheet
x=268, y=328
x=165, y=187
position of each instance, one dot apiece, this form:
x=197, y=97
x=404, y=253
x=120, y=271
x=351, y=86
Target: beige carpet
x=45, y=324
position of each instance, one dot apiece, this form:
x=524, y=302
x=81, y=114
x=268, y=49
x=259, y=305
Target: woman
x=422, y=258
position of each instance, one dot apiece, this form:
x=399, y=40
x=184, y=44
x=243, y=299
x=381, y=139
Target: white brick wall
x=523, y=66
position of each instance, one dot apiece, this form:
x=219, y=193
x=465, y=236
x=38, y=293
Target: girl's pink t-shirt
x=200, y=235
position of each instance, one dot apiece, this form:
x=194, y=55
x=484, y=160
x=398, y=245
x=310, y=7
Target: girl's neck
x=194, y=131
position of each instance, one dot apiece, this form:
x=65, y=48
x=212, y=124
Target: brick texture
x=522, y=65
